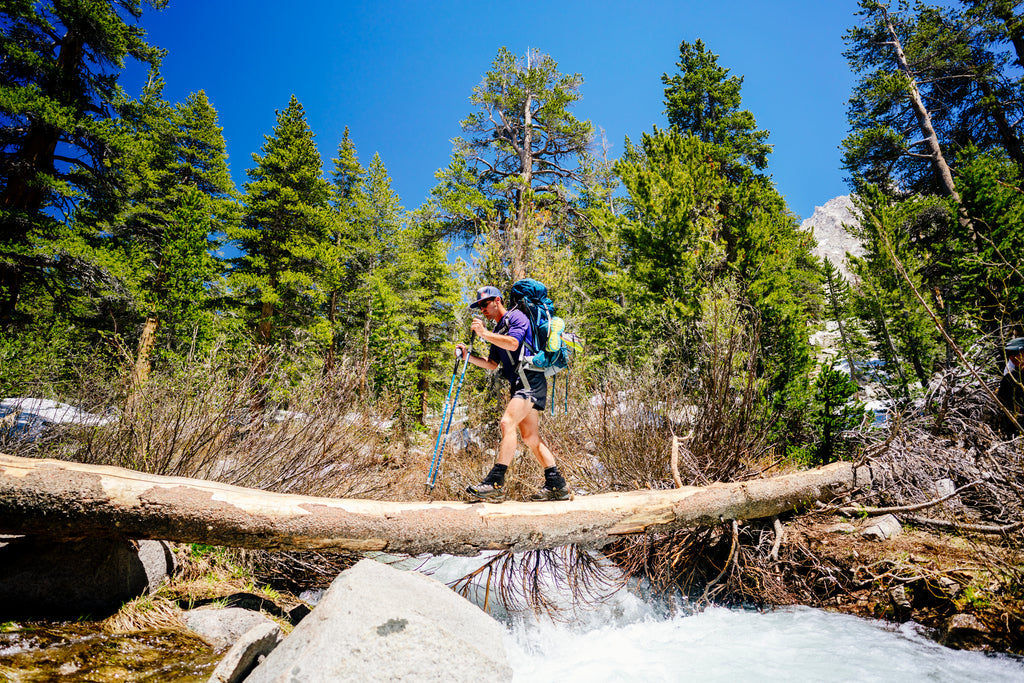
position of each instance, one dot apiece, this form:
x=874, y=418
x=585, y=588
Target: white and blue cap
x=485, y=293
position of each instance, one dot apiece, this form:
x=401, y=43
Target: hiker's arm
x=502, y=341
x=485, y=363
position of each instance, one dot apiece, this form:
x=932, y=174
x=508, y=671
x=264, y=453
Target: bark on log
x=72, y=500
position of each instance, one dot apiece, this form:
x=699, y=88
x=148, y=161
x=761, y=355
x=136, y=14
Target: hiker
x=1011, y=392
x=528, y=390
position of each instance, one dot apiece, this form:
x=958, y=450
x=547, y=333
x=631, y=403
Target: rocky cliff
x=834, y=242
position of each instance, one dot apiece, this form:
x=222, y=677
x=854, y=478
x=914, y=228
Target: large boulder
x=383, y=624
x=42, y=577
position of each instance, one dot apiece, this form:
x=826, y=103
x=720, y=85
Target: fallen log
x=72, y=500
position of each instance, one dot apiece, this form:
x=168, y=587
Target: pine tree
x=58, y=90
x=348, y=251
x=835, y=413
x=905, y=335
x=704, y=100
x=276, y=279
x=373, y=290
x=837, y=306
x=671, y=236
x=177, y=195
x=522, y=157
x=431, y=293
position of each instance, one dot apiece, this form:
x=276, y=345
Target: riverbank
x=906, y=578
x=945, y=582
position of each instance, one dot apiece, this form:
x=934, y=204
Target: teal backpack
x=553, y=345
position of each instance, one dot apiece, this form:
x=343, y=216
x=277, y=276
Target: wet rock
x=965, y=631
x=902, y=609
x=882, y=528
x=247, y=652
x=222, y=627
x=48, y=578
x=383, y=624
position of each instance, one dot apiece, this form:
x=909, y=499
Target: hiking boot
x=489, y=492
x=547, y=492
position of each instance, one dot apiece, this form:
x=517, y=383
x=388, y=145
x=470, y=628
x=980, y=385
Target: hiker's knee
x=508, y=424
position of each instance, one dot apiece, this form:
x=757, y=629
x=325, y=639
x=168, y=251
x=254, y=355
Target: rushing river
x=624, y=638
x=629, y=639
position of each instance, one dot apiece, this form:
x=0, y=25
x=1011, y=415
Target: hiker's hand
x=478, y=327
x=460, y=350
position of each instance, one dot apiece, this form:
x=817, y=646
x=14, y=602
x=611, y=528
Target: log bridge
x=68, y=500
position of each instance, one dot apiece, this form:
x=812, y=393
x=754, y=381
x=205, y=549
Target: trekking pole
x=553, y=385
x=449, y=412
x=566, y=408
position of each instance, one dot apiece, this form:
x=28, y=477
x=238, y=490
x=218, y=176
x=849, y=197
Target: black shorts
x=533, y=386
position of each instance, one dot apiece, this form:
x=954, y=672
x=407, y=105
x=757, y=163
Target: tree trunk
x=332, y=318
x=1011, y=143
x=522, y=238
x=422, y=374
x=71, y=500
x=365, y=364
x=143, y=366
x=924, y=121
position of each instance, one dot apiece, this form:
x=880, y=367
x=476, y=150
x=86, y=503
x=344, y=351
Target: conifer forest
x=297, y=333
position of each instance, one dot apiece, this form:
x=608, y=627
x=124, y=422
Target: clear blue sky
x=399, y=73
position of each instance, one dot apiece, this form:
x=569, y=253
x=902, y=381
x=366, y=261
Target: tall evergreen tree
x=522, y=156
x=672, y=236
x=348, y=252
x=834, y=413
x=704, y=100
x=276, y=277
x=837, y=307
x=431, y=293
x=58, y=87
x=374, y=294
x=177, y=195
x=905, y=335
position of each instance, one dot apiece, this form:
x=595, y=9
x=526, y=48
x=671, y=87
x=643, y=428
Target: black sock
x=496, y=477
x=553, y=479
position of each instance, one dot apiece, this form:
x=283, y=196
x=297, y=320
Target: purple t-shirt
x=515, y=324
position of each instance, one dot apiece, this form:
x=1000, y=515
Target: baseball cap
x=483, y=294
x=1016, y=344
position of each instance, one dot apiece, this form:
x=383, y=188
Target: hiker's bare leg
x=529, y=427
x=517, y=410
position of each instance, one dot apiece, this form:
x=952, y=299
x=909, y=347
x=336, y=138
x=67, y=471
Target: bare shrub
x=318, y=437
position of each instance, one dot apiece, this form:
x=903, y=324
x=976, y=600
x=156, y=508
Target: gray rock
x=882, y=528
x=223, y=627
x=158, y=561
x=965, y=631
x=946, y=487
x=246, y=653
x=902, y=608
x=829, y=225
x=383, y=624
x=949, y=587
x=42, y=577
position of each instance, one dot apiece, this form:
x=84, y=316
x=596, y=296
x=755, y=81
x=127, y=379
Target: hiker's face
x=491, y=309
